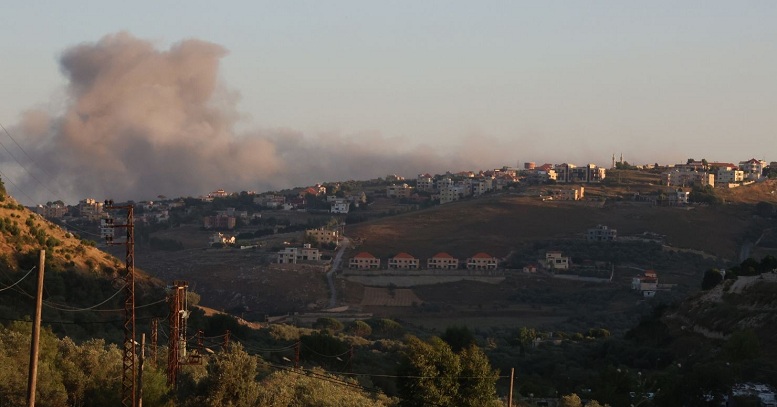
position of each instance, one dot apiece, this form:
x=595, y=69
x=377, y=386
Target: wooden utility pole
x=140, y=369
x=32, y=379
x=510, y=397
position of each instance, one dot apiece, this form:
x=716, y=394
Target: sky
x=131, y=100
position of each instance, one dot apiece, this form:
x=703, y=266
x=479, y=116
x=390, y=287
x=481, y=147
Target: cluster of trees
x=749, y=267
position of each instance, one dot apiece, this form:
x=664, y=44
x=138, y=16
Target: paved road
x=336, y=263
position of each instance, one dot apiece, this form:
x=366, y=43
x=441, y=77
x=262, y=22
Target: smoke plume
x=139, y=122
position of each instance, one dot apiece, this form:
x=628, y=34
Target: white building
x=601, y=233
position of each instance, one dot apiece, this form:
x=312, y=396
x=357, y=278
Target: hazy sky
x=447, y=84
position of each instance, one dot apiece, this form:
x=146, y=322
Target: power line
x=19, y=162
x=20, y=280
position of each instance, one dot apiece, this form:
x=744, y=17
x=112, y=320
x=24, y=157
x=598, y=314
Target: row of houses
x=440, y=261
x=715, y=174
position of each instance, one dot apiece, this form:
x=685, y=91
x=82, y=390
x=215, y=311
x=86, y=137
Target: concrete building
x=293, y=255
x=403, y=261
x=442, y=260
x=601, y=233
x=323, y=236
x=482, y=261
x=753, y=168
x=399, y=191
x=554, y=260
x=364, y=261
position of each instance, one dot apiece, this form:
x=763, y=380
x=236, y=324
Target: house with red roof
x=403, y=261
x=443, y=261
x=482, y=261
x=364, y=261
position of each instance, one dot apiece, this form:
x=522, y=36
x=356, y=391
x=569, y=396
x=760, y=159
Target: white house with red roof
x=647, y=283
x=443, y=261
x=403, y=261
x=482, y=261
x=753, y=168
x=364, y=261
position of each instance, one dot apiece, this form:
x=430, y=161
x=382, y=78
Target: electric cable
x=20, y=280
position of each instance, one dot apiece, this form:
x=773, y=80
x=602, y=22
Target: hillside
x=80, y=282
x=500, y=223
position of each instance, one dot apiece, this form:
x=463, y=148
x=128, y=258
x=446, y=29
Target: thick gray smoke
x=140, y=122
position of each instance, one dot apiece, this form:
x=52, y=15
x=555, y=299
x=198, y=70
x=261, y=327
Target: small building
x=403, y=261
x=220, y=238
x=340, y=206
x=601, y=233
x=443, y=261
x=554, y=260
x=482, y=261
x=364, y=261
x=530, y=268
x=646, y=282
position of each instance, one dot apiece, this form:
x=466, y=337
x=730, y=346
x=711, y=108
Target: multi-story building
x=451, y=193
x=90, y=209
x=364, y=261
x=323, y=236
x=403, y=261
x=293, y=255
x=425, y=182
x=571, y=173
x=556, y=261
x=482, y=261
x=753, y=168
x=442, y=260
x=52, y=210
x=601, y=233
x=340, y=205
x=219, y=222
x=398, y=191
x=482, y=185
x=683, y=178
x=572, y=194
x=725, y=177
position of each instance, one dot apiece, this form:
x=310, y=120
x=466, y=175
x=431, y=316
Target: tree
x=429, y=373
x=359, y=328
x=231, y=379
x=328, y=324
x=477, y=384
x=432, y=374
x=458, y=337
x=570, y=400
x=316, y=389
x=712, y=278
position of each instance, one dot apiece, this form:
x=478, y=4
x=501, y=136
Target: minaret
x=613, y=160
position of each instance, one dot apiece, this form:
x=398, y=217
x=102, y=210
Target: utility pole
x=128, y=351
x=32, y=379
x=140, y=368
x=176, y=345
x=154, y=338
x=296, y=355
x=510, y=397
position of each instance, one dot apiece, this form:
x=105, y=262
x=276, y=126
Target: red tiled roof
x=442, y=255
x=403, y=255
x=481, y=255
x=364, y=255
